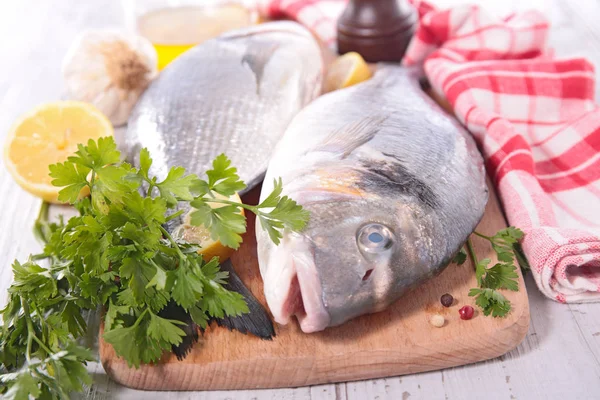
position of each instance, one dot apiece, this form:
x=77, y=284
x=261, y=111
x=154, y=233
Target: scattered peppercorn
x=437, y=320
x=447, y=300
x=466, y=312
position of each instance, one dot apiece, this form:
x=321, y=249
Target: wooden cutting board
x=397, y=341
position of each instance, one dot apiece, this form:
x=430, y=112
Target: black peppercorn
x=447, y=300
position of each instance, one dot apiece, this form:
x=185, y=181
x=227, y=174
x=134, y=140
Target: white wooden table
x=559, y=358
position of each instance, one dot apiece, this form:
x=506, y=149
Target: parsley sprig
x=502, y=275
x=116, y=254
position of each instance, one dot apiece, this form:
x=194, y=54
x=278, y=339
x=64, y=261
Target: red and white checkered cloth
x=534, y=118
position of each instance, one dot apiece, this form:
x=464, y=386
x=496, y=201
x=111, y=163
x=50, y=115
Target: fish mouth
x=298, y=293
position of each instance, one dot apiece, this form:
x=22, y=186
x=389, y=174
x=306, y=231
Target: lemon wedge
x=46, y=135
x=347, y=70
x=200, y=235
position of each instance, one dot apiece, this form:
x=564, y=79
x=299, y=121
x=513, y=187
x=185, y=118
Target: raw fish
x=394, y=186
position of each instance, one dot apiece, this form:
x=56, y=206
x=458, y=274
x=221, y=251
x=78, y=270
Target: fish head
x=359, y=252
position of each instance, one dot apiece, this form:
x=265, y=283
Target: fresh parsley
x=117, y=255
x=502, y=275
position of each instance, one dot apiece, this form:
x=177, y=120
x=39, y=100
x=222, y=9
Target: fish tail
x=176, y=312
x=256, y=321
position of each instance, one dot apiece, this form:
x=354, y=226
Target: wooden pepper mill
x=379, y=30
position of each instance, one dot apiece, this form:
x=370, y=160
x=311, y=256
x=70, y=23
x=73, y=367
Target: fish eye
x=374, y=238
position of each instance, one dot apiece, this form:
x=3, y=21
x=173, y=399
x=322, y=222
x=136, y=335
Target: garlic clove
x=110, y=70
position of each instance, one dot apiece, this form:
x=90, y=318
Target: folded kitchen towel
x=534, y=118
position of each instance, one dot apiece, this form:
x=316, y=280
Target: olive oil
x=173, y=30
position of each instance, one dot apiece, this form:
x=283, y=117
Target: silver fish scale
x=235, y=95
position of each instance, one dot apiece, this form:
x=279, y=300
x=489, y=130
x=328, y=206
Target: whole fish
x=235, y=94
x=394, y=187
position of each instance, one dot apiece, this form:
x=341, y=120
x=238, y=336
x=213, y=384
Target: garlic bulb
x=109, y=70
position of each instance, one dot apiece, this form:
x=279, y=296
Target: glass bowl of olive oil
x=176, y=26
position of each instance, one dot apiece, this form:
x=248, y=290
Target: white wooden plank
x=429, y=385
x=326, y=392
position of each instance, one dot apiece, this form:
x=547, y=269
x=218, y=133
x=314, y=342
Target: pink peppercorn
x=466, y=312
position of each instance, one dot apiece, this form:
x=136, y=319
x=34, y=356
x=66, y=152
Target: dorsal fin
x=352, y=135
x=256, y=57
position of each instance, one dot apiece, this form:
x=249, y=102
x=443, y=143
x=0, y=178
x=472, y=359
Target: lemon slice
x=200, y=235
x=347, y=70
x=47, y=135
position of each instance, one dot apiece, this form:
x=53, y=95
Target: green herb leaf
x=491, y=302
x=22, y=386
x=96, y=155
x=145, y=164
x=223, y=178
x=137, y=273
x=212, y=271
x=460, y=257
x=219, y=303
x=165, y=329
x=114, y=182
x=111, y=319
x=159, y=280
x=177, y=186
x=285, y=213
x=116, y=254
x=480, y=269
x=123, y=340
x=71, y=177
x=501, y=276
x=226, y=224
x=187, y=288
x=199, y=316
x=521, y=259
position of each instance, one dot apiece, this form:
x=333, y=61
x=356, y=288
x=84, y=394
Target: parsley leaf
x=460, y=257
x=177, y=186
x=159, y=280
x=123, y=340
x=136, y=273
x=145, y=164
x=72, y=177
x=276, y=213
x=285, y=214
x=480, y=269
x=163, y=329
x=503, y=241
x=116, y=254
x=96, y=155
x=521, y=259
x=23, y=386
x=111, y=318
x=491, y=302
x=186, y=288
x=199, y=316
x=114, y=182
x=501, y=275
x=225, y=223
x=223, y=178
x=219, y=303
